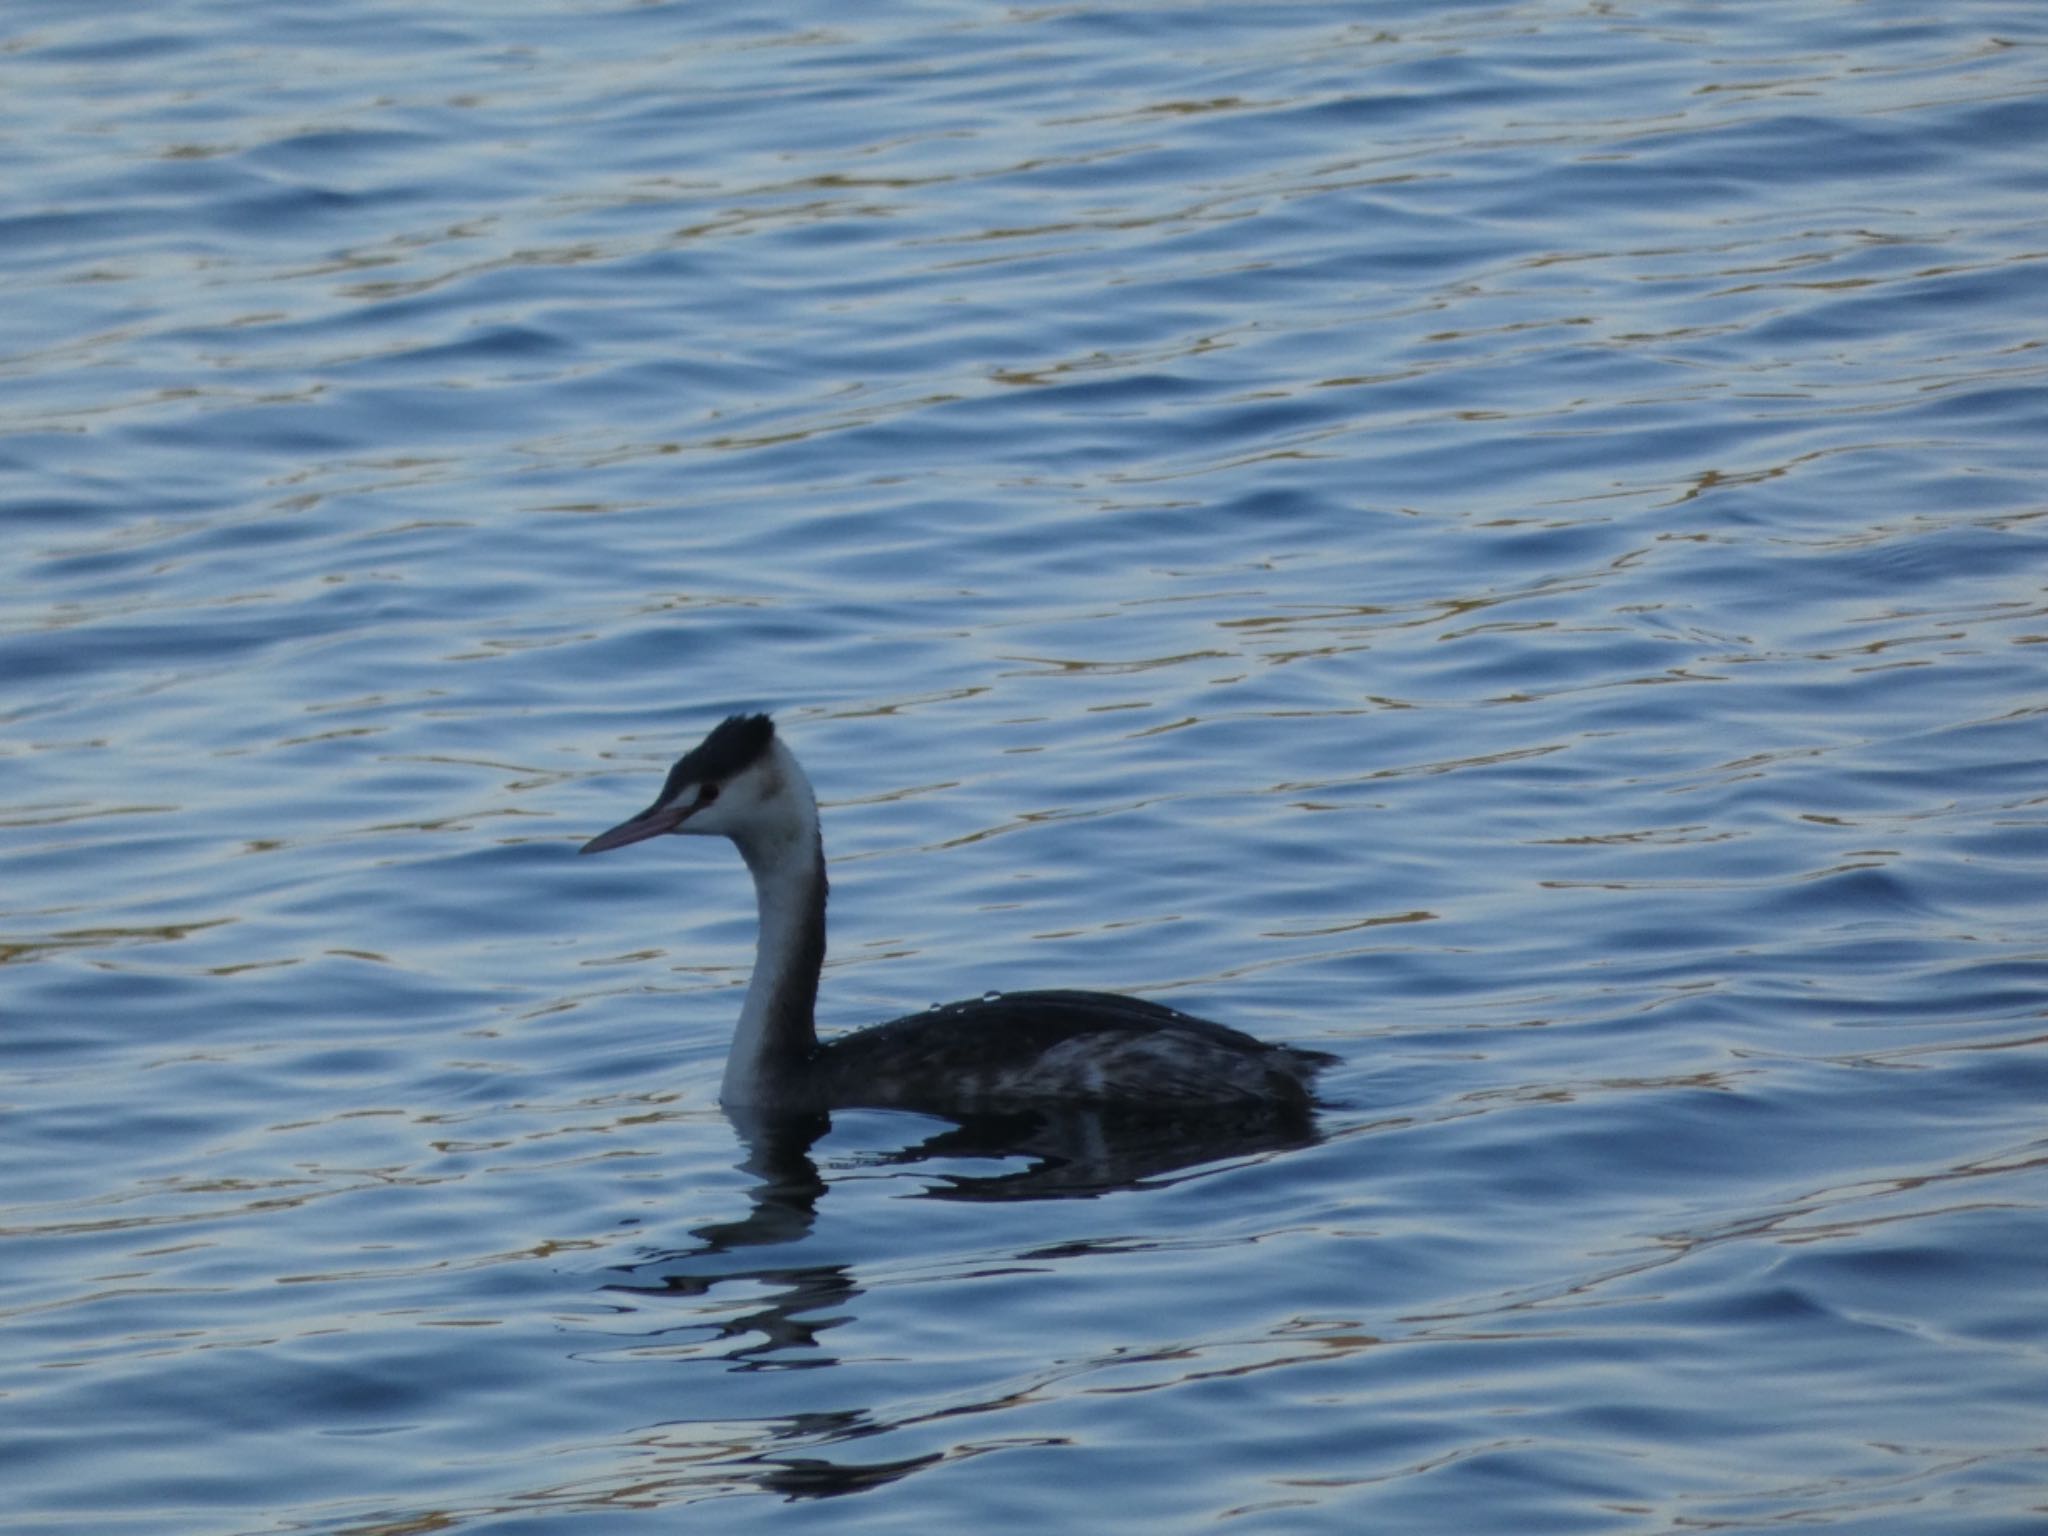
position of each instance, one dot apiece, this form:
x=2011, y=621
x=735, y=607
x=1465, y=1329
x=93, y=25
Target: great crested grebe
x=1006, y=1052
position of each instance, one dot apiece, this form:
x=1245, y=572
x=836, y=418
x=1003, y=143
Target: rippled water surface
x=1505, y=543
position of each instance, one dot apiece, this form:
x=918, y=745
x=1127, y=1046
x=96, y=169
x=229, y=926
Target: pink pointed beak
x=651, y=822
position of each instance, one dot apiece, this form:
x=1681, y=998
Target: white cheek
x=717, y=819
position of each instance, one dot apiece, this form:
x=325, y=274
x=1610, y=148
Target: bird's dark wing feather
x=1022, y=1048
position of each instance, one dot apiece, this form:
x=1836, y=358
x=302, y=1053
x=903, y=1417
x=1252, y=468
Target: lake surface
x=1506, y=543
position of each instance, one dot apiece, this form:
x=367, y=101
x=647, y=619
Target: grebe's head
x=738, y=782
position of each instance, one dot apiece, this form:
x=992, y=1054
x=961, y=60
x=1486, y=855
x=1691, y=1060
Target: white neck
x=769, y=1062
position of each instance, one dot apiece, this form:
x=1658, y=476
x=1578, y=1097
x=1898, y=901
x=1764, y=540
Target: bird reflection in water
x=1064, y=1155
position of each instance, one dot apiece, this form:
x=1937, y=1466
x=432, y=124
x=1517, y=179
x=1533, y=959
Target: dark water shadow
x=1073, y=1154
x=1066, y=1155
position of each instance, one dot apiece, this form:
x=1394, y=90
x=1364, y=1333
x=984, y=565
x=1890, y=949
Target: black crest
x=735, y=743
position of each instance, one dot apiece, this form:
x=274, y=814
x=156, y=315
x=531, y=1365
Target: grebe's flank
x=1005, y=1052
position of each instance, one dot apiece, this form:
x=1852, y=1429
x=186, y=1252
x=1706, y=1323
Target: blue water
x=1506, y=543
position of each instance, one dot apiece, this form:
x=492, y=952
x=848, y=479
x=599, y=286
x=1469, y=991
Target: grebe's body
x=1003, y=1053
